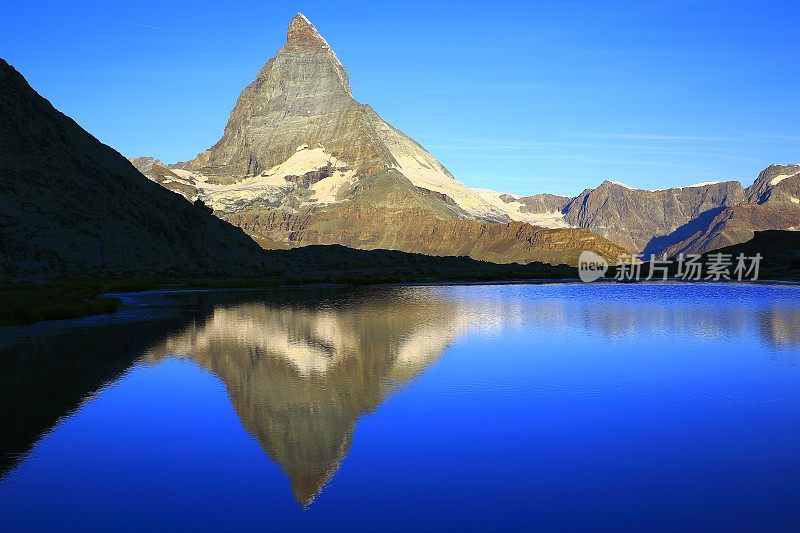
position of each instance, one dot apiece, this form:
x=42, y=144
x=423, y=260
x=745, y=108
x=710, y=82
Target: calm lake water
x=472, y=407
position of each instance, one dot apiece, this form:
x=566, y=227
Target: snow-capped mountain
x=302, y=162
x=692, y=219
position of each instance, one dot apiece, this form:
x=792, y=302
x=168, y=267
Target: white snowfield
x=780, y=177
x=421, y=168
x=416, y=164
x=703, y=184
x=547, y=219
x=620, y=184
x=424, y=170
x=272, y=184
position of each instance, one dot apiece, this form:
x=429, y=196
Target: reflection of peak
x=300, y=377
x=310, y=478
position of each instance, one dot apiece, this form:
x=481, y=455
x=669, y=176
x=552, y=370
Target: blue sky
x=517, y=96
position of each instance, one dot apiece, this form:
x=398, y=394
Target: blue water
x=474, y=407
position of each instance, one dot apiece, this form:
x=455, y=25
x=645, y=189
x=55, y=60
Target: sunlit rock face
x=301, y=98
x=773, y=203
x=297, y=137
x=649, y=221
x=778, y=184
x=302, y=162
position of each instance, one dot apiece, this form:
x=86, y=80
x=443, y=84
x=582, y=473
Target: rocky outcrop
x=419, y=232
x=539, y=203
x=540, y=210
x=648, y=221
x=692, y=219
x=776, y=184
x=164, y=176
x=773, y=203
x=70, y=205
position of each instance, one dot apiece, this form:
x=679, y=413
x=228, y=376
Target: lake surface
x=546, y=406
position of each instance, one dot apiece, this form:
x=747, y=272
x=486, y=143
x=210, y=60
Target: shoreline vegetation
x=26, y=303
x=23, y=304
x=70, y=299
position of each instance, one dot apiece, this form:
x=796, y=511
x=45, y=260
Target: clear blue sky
x=518, y=96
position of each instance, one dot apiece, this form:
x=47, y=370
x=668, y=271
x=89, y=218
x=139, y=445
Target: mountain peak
x=302, y=35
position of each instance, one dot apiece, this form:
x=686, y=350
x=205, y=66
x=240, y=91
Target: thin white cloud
x=772, y=137
x=774, y=110
x=485, y=146
x=145, y=26
x=741, y=137
x=654, y=137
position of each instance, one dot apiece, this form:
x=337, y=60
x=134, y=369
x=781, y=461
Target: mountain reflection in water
x=300, y=375
x=301, y=368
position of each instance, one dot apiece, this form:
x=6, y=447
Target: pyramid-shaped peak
x=302, y=35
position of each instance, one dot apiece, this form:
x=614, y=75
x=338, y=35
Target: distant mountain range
x=301, y=162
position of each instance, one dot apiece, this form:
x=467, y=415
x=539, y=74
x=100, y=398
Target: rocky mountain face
x=70, y=205
x=302, y=162
x=648, y=221
x=298, y=136
x=372, y=228
x=693, y=219
x=773, y=203
x=777, y=184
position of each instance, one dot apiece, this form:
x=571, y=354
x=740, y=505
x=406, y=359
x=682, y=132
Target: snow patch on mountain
x=620, y=184
x=271, y=185
x=547, y=219
x=423, y=170
x=703, y=184
x=326, y=190
x=304, y=160
x=693, y=185
x=780, y=177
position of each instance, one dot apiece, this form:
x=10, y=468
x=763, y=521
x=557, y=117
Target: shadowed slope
x=71, y=205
